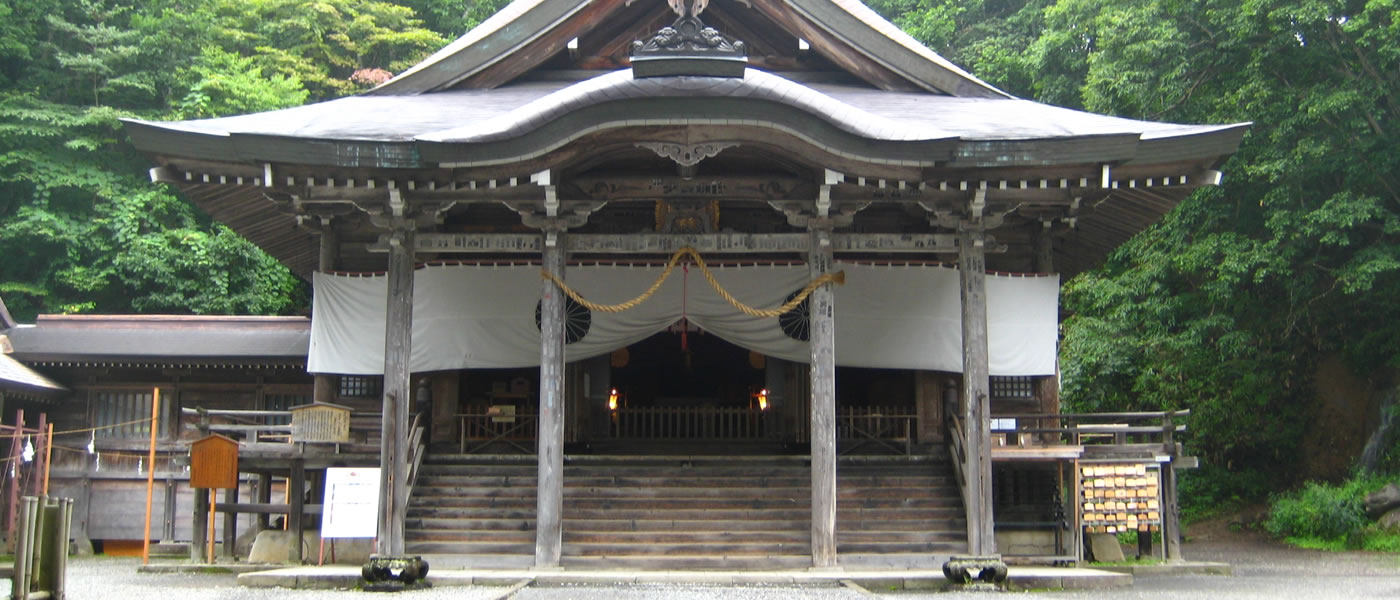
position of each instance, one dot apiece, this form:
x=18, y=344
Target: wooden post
x=822, y=342
x=264, y=496
x=1171, y=525
x=230, y=523
x=972, y=271
x=550, y=492
x=48, y=457
x=295, y=517
x=398, y=348
x=199, y=533
x=150, y=476
x=323, y=386
x=213, y=512
x=1047, y=388
x=36, y=482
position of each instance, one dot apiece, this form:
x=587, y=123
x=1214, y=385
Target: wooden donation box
x=214, y=463
x=321, y=422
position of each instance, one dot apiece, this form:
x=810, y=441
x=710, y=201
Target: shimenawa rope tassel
x=838, y=278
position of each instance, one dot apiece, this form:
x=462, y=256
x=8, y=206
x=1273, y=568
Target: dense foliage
x=1225, y=307
x=83, y=228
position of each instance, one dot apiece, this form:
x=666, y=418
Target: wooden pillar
x=398, y=342
x=550, y=492
x=1047, y=388
x=199, y=533
x=264, y=496
x=323, y=389
x=972, y=272
x=230, y=522
x=1171, y=522
x=296, y=521
x=822, y=342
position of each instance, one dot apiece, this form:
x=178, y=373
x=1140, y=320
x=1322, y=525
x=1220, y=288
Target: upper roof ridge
x=534, y=30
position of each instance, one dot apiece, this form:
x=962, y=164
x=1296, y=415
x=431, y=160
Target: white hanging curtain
x=897, y=317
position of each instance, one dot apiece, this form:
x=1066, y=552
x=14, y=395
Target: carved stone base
x=975, y=572
x=394, y=573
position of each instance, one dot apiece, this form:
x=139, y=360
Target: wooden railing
x=881, y=428
x=478, y=431
x=957, y=451
x=417, y=448
x=269, y=426
x=687, y=423
x=1156, y=428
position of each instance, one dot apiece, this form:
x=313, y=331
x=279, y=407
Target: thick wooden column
x=822, y=340
x=550, y=492
x=398, y=346
x=972, y=271
x=323, y=389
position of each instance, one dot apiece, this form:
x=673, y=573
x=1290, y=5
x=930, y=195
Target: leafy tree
x=84, y=230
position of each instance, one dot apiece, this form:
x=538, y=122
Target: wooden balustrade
x=269, y=426
x=687, y=423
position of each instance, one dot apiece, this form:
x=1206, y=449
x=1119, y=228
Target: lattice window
x=1012, y=387
x=352, y=386
x=113, y=413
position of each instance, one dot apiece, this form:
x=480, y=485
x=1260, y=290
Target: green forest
x=1226, y=307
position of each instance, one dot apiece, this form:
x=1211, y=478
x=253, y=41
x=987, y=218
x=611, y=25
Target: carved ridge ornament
x=687, y=155
x=688, y=47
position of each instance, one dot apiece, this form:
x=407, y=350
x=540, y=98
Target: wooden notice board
x=214, y=463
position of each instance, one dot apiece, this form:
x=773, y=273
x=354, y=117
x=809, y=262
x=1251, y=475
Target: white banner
x=896, y=317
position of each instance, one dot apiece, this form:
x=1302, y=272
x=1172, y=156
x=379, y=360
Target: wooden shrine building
x=513, y=203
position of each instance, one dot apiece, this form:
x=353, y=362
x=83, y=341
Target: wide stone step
x=455, y=561
x=911, y=516
x=621, y=503
x=686, y=549
x=691, y=562
x=468, y=525
x=465, y=547
x=478, y=535
x=800, y=536
x=844, y=536
x=862, y=483
x=898, y=547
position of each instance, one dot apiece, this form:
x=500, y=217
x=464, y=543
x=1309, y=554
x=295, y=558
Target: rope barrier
x=73, y=431
x=839, y=278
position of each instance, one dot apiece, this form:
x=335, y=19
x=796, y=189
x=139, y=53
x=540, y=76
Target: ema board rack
x=1120, y=497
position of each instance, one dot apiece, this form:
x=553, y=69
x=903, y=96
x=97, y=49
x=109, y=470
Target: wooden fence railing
x=880, y=428
x=1078, y=429
x=270, y=426
x=688, y=423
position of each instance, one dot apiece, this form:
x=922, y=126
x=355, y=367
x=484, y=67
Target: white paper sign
x=351, y=506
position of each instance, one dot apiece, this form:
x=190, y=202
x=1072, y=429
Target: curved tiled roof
x=620, y=85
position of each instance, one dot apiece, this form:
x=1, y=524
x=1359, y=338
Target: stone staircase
x=685, y=512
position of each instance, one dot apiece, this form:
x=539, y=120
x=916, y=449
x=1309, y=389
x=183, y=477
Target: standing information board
x=350, y=508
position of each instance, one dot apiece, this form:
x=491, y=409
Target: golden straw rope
x=839, y=278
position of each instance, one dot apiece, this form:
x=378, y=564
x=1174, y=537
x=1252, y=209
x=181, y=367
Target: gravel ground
x=1264, y=570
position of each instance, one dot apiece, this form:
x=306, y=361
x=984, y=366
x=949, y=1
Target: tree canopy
x=84, y=229
x=1228, y=304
